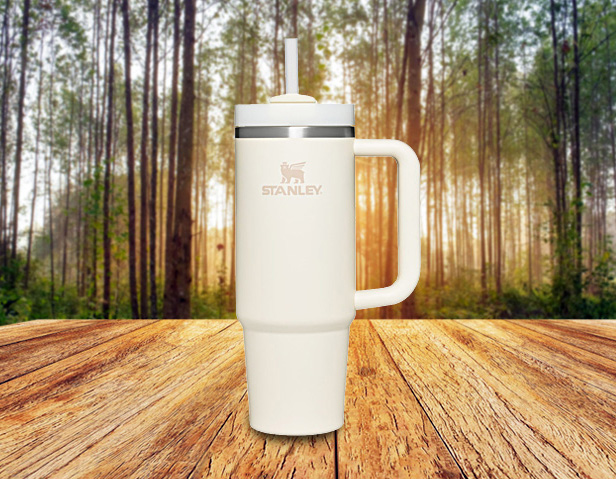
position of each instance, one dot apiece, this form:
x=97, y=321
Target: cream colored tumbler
x=295, y=253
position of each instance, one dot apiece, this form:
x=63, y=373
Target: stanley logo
x=294, y=171
x=292, y=183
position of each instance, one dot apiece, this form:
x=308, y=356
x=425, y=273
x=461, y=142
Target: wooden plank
x=598, y=338
x=386, y=433
x=52, y=419
x=27, y=355
x=551, y=389
x=588, y=367
x=168, y=400
x=180, y=424
x=503, y=416
x=604, y=328
x=239, y=451
x=58, y=378
x=12, y=333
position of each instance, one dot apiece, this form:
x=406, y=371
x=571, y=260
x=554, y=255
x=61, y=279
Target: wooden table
x=424, y=399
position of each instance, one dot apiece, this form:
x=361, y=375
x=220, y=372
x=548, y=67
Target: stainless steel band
x=294, y=132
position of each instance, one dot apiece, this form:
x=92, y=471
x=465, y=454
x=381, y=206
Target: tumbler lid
x=293, y=109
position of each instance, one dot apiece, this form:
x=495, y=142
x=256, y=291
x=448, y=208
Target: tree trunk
x=98, y=132
x=161, y=178
x=197, y=226
x=52, y=280
x=67, y=203
x=497, y=203
x=556, y=146
x=413, y=132
x=481, y=147
x=143, y=224
x=107, y=179
x=154, y=174
x=39, y=98
x=391, y=248
x=385, y=266
x=4, y=111
x=52, y=274
x=577, y=167
x=386, y=123
x=206, y=136
x=130, y=163
x=608, y=61
x=294, y=12
x=80, y=156
x=89, y=229
x=20, y=122
x=488, y=141
x=173, y=125
x=177, y=304
x=529, y=218
x=441, y=171
x=430, y=166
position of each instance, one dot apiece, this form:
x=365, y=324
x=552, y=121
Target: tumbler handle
x=409, y=239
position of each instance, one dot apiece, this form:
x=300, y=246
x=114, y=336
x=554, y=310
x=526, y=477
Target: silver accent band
x=294, y=132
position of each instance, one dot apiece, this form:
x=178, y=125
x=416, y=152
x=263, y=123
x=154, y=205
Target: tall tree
x=171, y=168
x=481, y=150
x=177, y=305
x=556, y=146
x=143, y=227
x=130, y=162
x=391, y=251
x=67, y=204
x=413, y=132
x=4, y=118
x=48, y=168
x=39, y=98
x=497, y=113
x=98, y=149
x=154, y=175
x=108, y=160
x=20, y=121
x=610, y=98
x=576, y=157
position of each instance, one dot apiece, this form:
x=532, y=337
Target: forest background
x=116, y=149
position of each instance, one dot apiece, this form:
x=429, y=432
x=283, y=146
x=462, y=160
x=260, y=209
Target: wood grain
x=26, y=355
x=586, y=366
x=504, y=414
x=12, y=333
x=87, y=396
x=166, y=438
x=587, y=337
x=451, y=399
x=239, y=451
x=386, y=433
x=603, y=328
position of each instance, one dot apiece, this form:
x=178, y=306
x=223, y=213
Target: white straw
x=290, y=65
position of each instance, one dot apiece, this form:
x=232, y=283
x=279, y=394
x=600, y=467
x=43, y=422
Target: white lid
x=293, y=109
x=294, y=115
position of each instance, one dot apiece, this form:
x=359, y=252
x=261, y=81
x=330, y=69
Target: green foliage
x=214, y=302
x=461, y=299
x=14, y=305
x=20, y=304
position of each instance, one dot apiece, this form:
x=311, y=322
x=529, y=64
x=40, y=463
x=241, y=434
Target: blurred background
x=117, y=161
